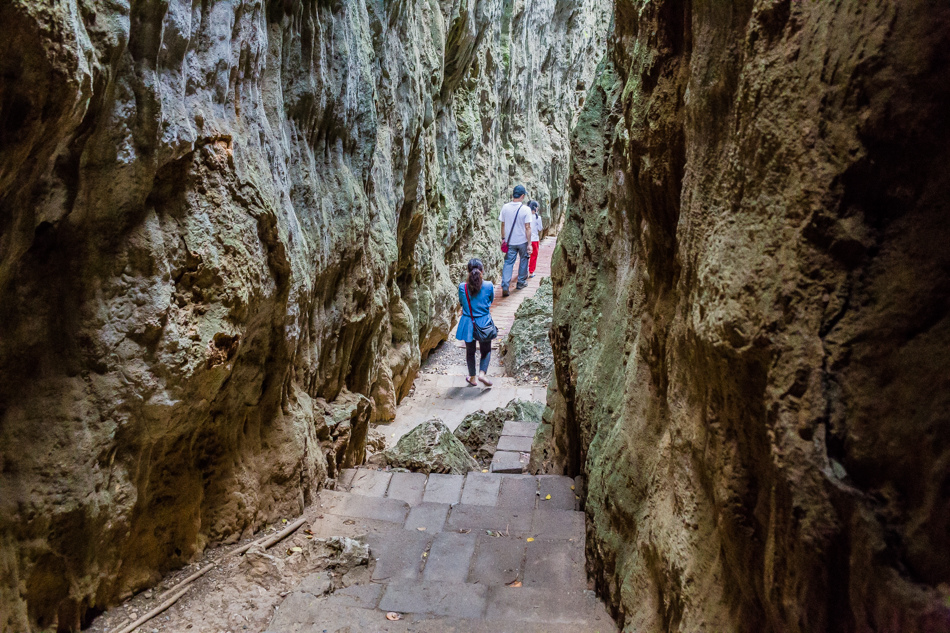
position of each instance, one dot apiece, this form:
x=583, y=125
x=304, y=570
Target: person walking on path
x=515, y=220
x=476, y=298
x=536, y=228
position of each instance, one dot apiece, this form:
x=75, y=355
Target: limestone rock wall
x=752, y=316
x=229, y=233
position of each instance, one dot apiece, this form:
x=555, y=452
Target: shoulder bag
x=504, y=245
x=480, y=333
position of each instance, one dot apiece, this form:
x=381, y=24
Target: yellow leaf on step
x=548, y=497
x=485, y=470
x=421, y=529
x=424, y=554
x=572, y=487
x=530, y=539
x=296, y=549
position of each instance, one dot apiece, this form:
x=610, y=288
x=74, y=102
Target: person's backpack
x=481, y=333
x=504, y=245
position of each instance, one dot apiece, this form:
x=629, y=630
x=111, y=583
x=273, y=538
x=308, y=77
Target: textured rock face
x=751, y=316
x=430, y=448
x=527, y=349
x=229, y=232
x=479, y=431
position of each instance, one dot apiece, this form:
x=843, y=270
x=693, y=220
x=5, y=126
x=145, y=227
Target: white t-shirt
x=536, y=228
x=507, y=215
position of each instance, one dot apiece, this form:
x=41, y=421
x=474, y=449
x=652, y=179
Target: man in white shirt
x=515, y=218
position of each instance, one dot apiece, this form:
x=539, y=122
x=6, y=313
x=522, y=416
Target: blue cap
x=533, y=205
x=519, y=191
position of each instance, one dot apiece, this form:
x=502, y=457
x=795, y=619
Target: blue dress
x=480, y=305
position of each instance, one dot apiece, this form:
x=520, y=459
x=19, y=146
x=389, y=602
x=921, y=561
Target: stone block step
x=436, y=598
x=313, y=615
x=398, y=554
x=524, y=429
x=370, y=483
x=515, y=443
x=562, y=492
x=512, y=522
x=529, y=604
x=509, y=462
x=443, y=488
x=430, y=516
x=449, y=558
x=360, y=507
x=480, y=489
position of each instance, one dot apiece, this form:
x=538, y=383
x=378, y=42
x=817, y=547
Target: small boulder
x=479, y=431
x=431, y=448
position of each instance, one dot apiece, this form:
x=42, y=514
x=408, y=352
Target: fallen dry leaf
x=516, y=583
x=572, y=487
x=393, y=616
x=296, y=549
x=421, y=529
x=349, y=522
x=548, y=497
x=530, y=539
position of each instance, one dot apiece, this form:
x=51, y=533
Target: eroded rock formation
x=752, y=316
x=229, y=232
x=527, y=348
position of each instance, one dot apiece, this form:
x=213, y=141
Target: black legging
x=470, y=356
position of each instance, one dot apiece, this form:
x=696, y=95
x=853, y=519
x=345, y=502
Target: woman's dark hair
x=533, y=205
x=475, y=273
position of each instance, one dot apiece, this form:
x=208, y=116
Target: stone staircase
x=484, y=553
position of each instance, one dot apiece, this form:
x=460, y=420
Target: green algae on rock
x=526, y=352
x=430, y=448
x=751, y=294
x=215, y=219
x=479, y=431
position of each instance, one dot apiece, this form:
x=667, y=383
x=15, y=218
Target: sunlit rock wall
x=229, y=233
x=752, y=317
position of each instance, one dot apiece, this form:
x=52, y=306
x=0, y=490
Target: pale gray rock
x=218, y=219
x=430, y=448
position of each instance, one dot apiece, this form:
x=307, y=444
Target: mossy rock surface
x=431, y=448
x=527, y=349
x=479, y=431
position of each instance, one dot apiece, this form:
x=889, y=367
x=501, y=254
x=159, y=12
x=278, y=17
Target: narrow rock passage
x=486, y=552
x=440, y=390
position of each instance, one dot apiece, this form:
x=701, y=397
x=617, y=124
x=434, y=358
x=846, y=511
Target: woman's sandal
x=484, y=380
x=471, y=381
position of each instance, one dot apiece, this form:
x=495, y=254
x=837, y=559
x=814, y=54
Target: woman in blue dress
x=480, y=295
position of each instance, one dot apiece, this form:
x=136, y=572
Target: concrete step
x=449, y=565
x=475, y=488
x=304, y=613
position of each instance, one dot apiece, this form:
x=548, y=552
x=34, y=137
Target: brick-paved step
x=454, y=573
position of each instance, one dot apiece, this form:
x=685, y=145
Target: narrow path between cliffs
x=440, y=390
x=474, y=546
